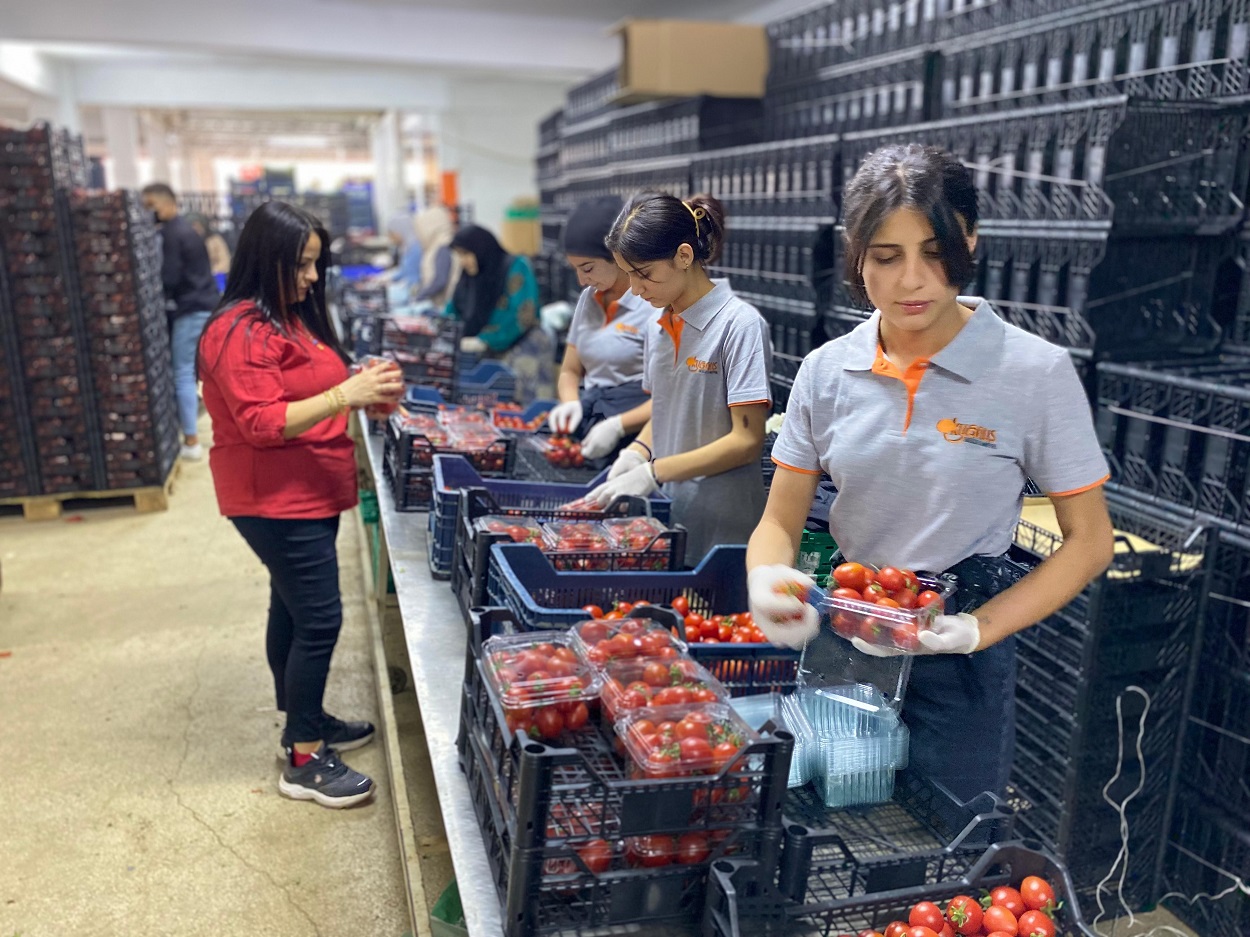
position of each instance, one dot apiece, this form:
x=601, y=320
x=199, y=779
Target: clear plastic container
x=638, y=683
x=674, y=741
x=802, y=761
x=882, y=625
x=577, y=546
x=860, y=770
x=831, y=661
x=421, y=424
x=637, y=533
x=601, y=640
x=854, y=711
x=542, y=682
x=757, y=709
x=520, y=529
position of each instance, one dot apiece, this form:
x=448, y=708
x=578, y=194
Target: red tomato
x=655, y=674
x=873, y=591
x=1037, y=893
x=926, y=914
x=921, y=931
x=703, y=695
x=870, y=933
x=997, y=917
x=577, y=717
x=910, y=582
x=681, y=605
x=693, y=621
x=695, y=750
x=671, y=696
x=723, y=754
x=1036, y=924
x=927, y=598
x=964, y=914
x=692, y=849
x=999, y=933
x=947, y=931
x=692, y=728
x=847, y=593
x=549, y=722
x=623, y=607
x=593, y=632
x=890, y=578
x=896, y=929
x=693, y=634
x=597, y=856
x=650, y=851
x=905, y=598
x=1007, y=897
x=853, y=576
x=725, y=632
x=710, y=628
x=888, y=602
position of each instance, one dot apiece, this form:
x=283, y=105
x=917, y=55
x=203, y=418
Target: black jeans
x=305, y=613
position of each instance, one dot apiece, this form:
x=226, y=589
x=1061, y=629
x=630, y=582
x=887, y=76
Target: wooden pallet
x=145, y=500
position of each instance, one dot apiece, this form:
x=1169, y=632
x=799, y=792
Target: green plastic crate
x=816, y=552
x=447, y=915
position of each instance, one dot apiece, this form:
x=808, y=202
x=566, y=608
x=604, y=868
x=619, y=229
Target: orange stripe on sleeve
x=748, y=403
x=1077, y=491
x=777, y=461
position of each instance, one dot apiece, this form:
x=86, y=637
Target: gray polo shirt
x=610, y=341
x=930, y=464
x=715, y=355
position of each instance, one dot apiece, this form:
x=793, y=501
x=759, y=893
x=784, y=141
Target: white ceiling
x=608, y=11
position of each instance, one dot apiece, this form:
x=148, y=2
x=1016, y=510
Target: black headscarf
x=588, y=226
x=476, y=296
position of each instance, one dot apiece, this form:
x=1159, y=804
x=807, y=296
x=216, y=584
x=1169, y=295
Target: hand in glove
x=638, y=482
x=773, y=594
x=949, y=634
x=627, y=461
x=603, y=438
x=564, y=418
x=473, y=345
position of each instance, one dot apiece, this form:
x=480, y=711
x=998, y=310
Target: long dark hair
x=925, y=178
x=653, y=225
x=476, y=297
x=264, y=269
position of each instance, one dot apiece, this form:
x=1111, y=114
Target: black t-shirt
x=186, y=272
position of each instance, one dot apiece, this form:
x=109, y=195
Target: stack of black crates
x=86, y=390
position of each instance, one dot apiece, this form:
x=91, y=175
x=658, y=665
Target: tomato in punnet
x=853, y=576
x=549, y=722
x=999, y=933
x=926, y=914
x=650, y=851
x=873, y=591
x=921, y=931
x=947, y=931
x=999, y=918
x=596, y=854
x=890, y=579
x=656, y=674
x=695, y=750
x=692, y=849
x=964, y=915
x=928, y=597
x=887, y=602
x=896, y=929
x=577, y=717
x=1037, y=893
x=1006, y=897
x=1036, y=924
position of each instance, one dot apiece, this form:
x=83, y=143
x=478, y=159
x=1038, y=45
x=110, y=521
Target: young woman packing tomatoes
x=600, y=384
x=929, y=417
x=706, y=369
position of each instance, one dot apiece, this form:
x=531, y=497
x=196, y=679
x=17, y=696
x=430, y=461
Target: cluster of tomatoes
x=716, y=629
x=700, y=742
x=637, y=683
x=1005, y=912
x=507, y=416
x=463, y=432
x=641, y=852
x=543, y=688
x=886, y=588
x=624, y=640
x=516, y=529
x=565, y=452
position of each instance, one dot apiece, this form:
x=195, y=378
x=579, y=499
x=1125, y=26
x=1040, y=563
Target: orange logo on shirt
x=702, y=367
x=954, y=431
x=623, y=327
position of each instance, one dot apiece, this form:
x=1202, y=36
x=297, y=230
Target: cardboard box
x=684, y=58
x=521, y=232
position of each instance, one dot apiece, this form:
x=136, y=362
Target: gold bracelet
x=341, y=395
x=329, y=398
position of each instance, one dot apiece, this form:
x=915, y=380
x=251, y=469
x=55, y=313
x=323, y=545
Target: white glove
x=627, y=461
x=473, y=345
x=638, y=482
x=949, y=634
x=785, y=619
x=564, y=418
x=603, y=438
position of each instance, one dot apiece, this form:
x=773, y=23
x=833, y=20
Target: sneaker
x=339, y=735
x=326, y=780
x=192, y=453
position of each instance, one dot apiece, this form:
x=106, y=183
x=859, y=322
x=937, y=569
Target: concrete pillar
x=121, y=135
x=388, y=163
x=61, y=108
x=157, y=137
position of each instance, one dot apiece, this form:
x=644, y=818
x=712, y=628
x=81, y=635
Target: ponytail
x=653, y=225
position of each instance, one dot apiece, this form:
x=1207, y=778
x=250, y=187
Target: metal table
x=434, y=635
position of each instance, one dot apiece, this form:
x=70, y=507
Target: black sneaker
x=325, y=779
x=339, y=735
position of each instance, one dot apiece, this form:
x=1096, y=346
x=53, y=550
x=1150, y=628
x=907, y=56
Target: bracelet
x=341, y=396
x=654, y=477
x=650, y=454
x=329, y=398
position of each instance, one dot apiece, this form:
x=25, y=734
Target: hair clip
x=698, y=214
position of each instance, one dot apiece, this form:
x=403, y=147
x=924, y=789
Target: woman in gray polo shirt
x=929, y=418
x=600, y=385
x=706, y=369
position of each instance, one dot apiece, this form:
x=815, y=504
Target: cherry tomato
x=921, y=931
x=710, y=628
x=695, y=750
x=848, y=593
x=671, y=696
x=853, y=576
x=597, y=856
x=870, y=933
x=888, y=602
x=896, y=929
x=890, y=578
x=999, y=933
x=1036, y=924
x=964, y=915
x=692, y=727
x=926, y=914
x=1007, y=897
x=725, y=632
x=905, y=598
x=692, y=849
x=693, y=634
x=997, y=917
x=1037, y=893
x=623, y=607
x=927, y=598
x=681, y=605
x=577, y=717
x=656, y=674
x=693, y=621
x=873, y=591
x=549, y=722
x=723, y=754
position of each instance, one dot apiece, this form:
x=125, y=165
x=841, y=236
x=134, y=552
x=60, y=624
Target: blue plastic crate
x=533, y=411
x=424, y=397
x=522, y=580
x=453, y=473
x=487, y=384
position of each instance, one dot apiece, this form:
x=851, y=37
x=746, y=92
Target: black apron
x=601, y=403
x=961, y=708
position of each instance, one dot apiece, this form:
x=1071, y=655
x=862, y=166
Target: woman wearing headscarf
x=438, y=264
x=496, y=298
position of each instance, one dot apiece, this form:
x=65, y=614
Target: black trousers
x=305, y=613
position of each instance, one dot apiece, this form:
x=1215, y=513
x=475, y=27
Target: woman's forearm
x=569, y=384
x=303, y=415
x=732, y=450
x=634, y=420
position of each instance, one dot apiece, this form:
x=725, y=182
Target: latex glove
x=473, y=345
x=638, y=482
x=627, y=461
x=949, y=634
x=564, y=418
x=785, y=619
x=603, y=438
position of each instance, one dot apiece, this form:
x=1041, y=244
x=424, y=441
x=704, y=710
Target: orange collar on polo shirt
x=609, y=309
x=672, y=324
x=910, y=378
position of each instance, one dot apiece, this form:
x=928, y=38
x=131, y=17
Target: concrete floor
x=137, y=736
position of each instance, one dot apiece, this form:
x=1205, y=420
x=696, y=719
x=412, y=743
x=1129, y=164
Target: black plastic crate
x=781, y=379
x=742, y=901
x=1179, y=432
x=531, y=464
x=787, y=259
x=923, y=835
x=1217, y=740
x=660, y=129
x=549, y=129
x=1226, y=635
x=585, y=144
x=590, y=97
x=1208, y=851
x=415, y=451
x=793, y=325
x=791, y=179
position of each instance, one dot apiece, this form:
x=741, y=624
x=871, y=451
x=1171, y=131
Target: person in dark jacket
x=190, y=296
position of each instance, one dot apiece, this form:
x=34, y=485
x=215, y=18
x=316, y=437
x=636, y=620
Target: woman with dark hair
x=600, y=383
x=497, y=299
x=706, y=370
x=930, y=417
x=277, y=387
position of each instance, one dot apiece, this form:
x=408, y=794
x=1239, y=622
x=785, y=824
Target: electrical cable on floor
x=1123, y=857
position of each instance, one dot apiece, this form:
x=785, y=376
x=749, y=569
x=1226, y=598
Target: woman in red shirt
x=277, y=387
